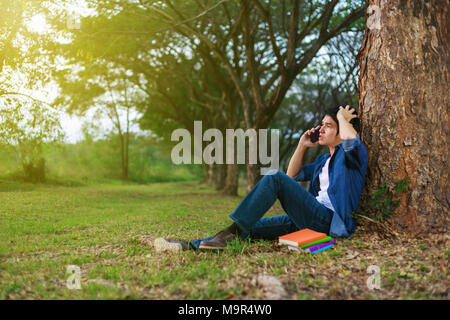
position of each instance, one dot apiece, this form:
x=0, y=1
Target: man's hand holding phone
x=310, y=138
x=305, y=142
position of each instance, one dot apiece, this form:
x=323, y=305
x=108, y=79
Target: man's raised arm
x=344, y=116
x=295, y=164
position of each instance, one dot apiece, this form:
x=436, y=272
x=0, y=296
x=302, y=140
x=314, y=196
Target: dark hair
x=332, y=112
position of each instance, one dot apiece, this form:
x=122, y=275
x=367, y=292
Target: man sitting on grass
x=336, y=183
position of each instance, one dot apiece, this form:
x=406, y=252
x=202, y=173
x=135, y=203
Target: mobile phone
x=314, y=137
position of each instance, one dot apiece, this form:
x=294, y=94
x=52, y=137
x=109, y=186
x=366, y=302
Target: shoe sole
x=162, y=245
x=210, y=247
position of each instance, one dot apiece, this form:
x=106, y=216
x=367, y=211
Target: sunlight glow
x=38, y=24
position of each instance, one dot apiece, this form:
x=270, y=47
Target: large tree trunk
x=403, y=105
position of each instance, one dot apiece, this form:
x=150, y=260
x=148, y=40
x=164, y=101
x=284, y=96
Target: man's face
x=328, y=132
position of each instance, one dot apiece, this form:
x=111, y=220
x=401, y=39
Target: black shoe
x=219, y=241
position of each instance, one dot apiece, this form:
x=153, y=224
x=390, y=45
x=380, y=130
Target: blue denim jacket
x=347, y=169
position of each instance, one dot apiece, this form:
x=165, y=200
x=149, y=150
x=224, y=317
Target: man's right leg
x=254, y=205
x=301, y=206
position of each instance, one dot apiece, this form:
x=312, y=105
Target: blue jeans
x=302, y=208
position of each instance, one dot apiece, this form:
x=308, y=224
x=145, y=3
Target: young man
x=337, y=179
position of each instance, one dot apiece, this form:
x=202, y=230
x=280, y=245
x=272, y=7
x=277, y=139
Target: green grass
x=107, y=230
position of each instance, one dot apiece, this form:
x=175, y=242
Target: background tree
x=26, y=126
x=179, y=86
x=404, y=103
x=192, y=93
x=101, y=87
x=259, y=47
x=23, y=64
x=26, y=122
x=330, y=80
x=293, y=45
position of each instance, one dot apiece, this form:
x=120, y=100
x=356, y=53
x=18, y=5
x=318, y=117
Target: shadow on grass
x=19, y=184
x=15, y=186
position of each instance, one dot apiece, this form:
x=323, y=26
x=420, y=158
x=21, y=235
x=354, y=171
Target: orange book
x=301, y=237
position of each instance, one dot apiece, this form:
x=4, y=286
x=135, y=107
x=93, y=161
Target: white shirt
x=322, y=197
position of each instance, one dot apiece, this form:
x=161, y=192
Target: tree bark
x=232, y=170
x=210, y=174
x=122, y=156
x=126, y=153
x=232, y=180
x=221, y=176
x=403, y=106
x=253, y=175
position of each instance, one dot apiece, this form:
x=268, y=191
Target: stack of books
x=307, y=240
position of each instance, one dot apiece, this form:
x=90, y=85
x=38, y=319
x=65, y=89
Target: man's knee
x=280, y=175
x=271, y=176
x=273, y=172
x=277, y=177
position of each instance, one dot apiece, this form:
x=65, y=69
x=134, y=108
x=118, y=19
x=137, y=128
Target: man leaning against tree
x=336, y=182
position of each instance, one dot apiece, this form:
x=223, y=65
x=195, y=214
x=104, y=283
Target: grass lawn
x=107, y=231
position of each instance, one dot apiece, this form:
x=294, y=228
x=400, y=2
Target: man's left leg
x=266, y=228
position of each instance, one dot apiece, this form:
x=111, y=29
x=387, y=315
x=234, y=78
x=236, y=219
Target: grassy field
x=107, y=231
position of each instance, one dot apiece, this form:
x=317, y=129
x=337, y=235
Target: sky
x=72, y=127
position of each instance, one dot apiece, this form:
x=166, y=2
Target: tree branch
x=279, y=92
x=251, y=62
x=275, y=48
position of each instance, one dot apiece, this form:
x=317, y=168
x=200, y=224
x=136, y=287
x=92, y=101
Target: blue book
x=322, y=249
